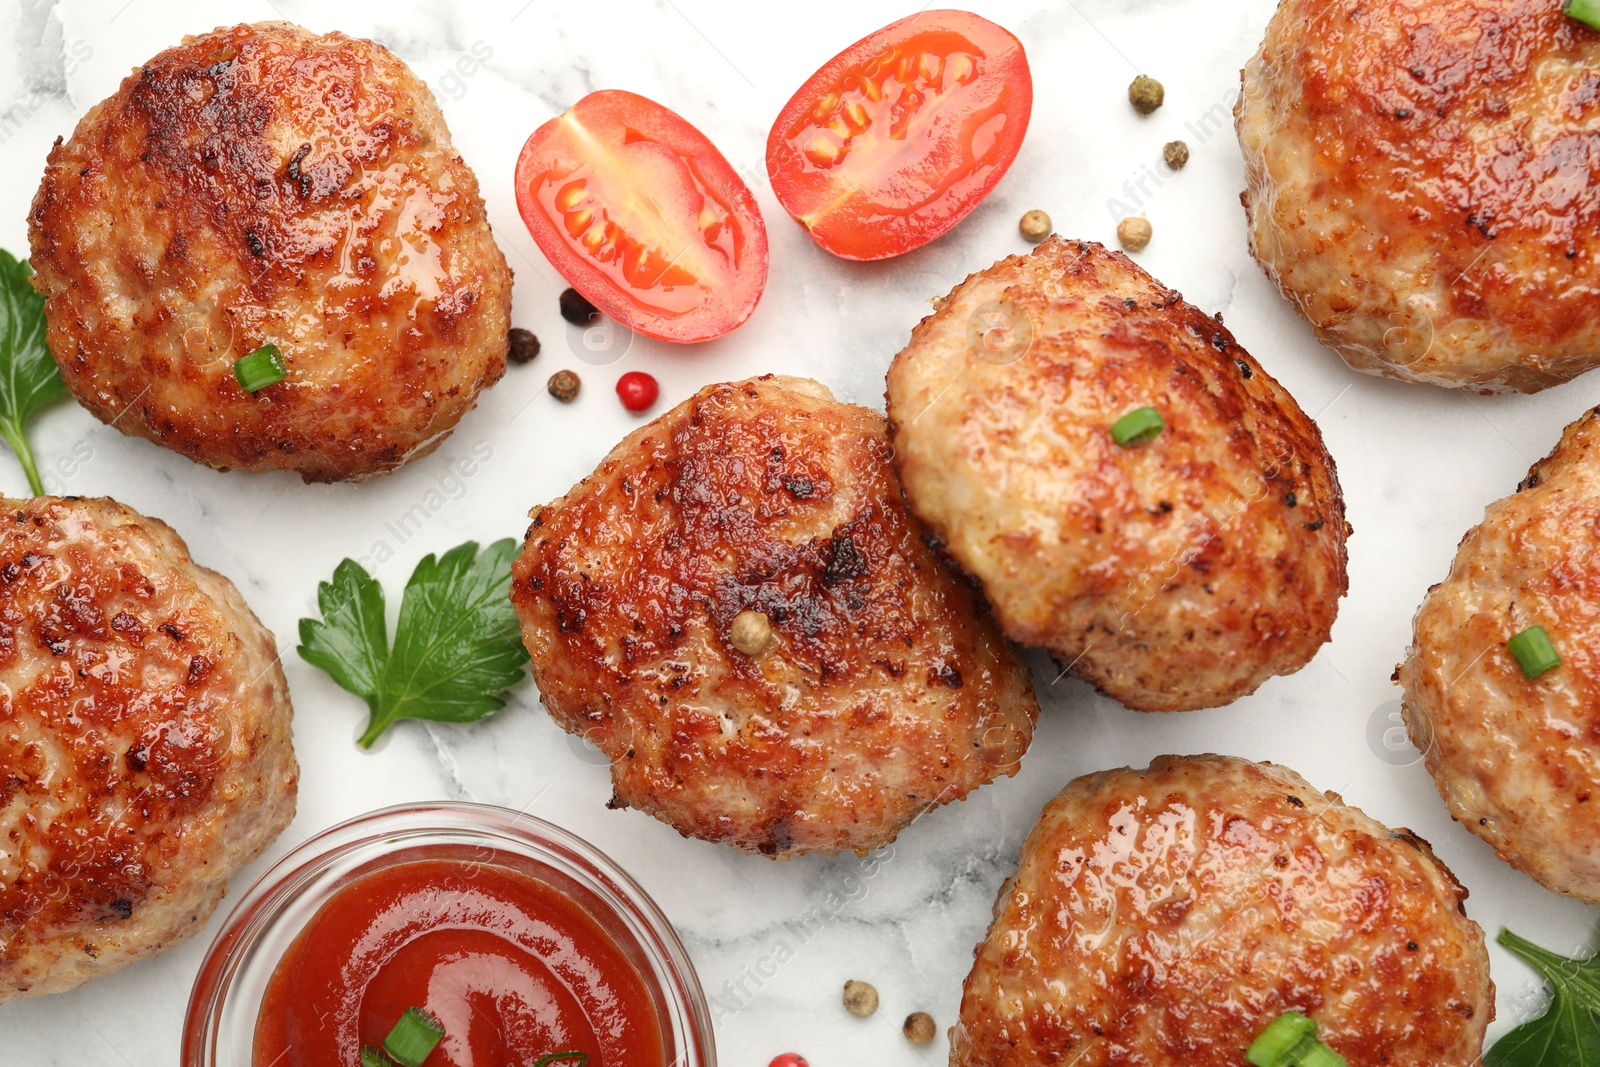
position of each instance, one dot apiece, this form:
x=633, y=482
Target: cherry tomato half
x=643, y=216
x=900, y=135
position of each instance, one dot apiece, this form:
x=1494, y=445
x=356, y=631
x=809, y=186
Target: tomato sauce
x=512, y=966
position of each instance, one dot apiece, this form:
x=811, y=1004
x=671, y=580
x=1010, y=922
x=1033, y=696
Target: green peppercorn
x=1146, y=94
x=919, y=1028
x=751, y=633
x=1035, y=226
x=860, y=998
x=1134, y=233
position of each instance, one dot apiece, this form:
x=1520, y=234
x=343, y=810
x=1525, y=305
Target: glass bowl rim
x=259, y=906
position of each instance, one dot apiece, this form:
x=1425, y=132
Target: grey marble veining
x=773, y=942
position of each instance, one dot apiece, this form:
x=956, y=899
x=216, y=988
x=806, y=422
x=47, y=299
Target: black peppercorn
x=576, y=309
x=524, y=346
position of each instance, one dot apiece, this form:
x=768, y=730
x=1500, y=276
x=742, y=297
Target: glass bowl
x=220, y=1025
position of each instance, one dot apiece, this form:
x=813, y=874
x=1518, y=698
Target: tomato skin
x=789, y=1059
x=894, y=140
x=637, y=391
x=643, y=216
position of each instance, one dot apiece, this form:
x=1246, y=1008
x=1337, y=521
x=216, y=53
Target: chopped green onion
x=372, y=1056
x=1585, y=11
x=1320, y=1055
x=1290, y=1040
x=1138, y=427
x=413, y=1037
x=261, y=368
x=580, y=1058
x=1280, y=1039
x=1534, y=652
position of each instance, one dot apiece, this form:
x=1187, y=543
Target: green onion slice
x=261, y=368
x=1585, y=11
x=1320, y=1055
x=1290, y=1040
x=413, y=1037
x=1280, y=1039
x=1141, y=425
x=1535, y=654
x=580, y=1058
x=372, y=1056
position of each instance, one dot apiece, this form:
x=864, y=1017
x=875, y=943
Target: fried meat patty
x=144, y=741
x=1165, y=917
x=259, y=185
x=1423, y=184
x=885, y=688
x=1517, y=759
x=1172, y=575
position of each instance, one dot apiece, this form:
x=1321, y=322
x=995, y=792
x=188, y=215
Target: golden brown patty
x=144, y=741
x=1165, y=917
x=1518, y=760
x=262, y=184
x=1173, y=575
x=886, y=689
x=1424, y=185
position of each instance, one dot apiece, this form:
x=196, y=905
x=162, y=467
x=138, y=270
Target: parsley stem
x=1542, y=960
x=377, y=723
x=18, y=440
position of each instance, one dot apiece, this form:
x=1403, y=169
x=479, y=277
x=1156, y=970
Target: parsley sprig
x=1568, y=1033
x=457, y=646
x=29, y=378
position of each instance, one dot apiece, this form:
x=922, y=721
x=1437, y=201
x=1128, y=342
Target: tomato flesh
x=899, y=136
x=642, y=215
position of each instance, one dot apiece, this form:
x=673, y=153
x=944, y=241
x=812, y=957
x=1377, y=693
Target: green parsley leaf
x=1568, y=1033
x=29, y=378
x=457, y=645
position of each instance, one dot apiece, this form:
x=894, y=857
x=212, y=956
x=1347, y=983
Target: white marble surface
x=1418, y=466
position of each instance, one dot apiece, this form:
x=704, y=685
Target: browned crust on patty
x=1424, y=184
x=887, y=689
x=1165, y=917
x=1175, y=575
x=145, y=750
x=262, y=184
x=1518, y=760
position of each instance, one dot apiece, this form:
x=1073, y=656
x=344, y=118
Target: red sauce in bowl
x=514, y=968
